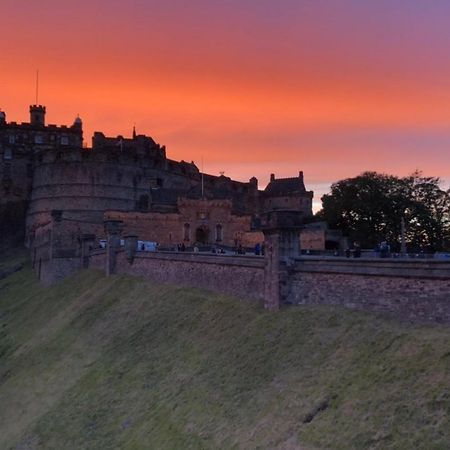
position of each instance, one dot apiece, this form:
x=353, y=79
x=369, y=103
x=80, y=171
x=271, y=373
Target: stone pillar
x=282, y=241
x=87, y=244
x=130, y=247
x=113, y=230
x=272, y=272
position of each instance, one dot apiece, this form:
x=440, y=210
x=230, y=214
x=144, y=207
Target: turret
x=37, y=115
x=2, y=118
x=77, y=123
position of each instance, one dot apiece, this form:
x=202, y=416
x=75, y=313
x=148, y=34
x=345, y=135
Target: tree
x=369, y=209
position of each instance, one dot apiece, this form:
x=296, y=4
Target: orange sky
x=330, y=87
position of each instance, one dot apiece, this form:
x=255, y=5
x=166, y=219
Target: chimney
x=272, y=177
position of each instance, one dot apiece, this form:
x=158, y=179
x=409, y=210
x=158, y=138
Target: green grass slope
x=121, y=363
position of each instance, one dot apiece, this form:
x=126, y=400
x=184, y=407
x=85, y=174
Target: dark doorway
x=202, y=235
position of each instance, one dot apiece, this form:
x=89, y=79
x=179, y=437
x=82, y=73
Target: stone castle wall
x=91, y=184
x=407, y=289
x=85, y=183
x=242, y=277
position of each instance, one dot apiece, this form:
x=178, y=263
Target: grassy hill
x=121, y=363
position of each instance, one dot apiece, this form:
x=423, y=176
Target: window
x=38, y=139
x=219, y=232
x=64, y=140
x=30, y=170
x=12, y=139
x=7, y=154
x=186, y=232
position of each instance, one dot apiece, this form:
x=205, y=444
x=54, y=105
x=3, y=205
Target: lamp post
x=402, y=239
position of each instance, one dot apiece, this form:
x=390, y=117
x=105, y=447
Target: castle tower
x=37, y=115
x=78, y=123
x=2, y=117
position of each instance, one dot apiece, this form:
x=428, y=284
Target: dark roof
x=283, y=186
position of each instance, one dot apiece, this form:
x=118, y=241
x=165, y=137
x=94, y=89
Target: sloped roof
x=283, y=186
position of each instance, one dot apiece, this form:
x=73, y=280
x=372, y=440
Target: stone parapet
x=404, y=268
x=240, y=276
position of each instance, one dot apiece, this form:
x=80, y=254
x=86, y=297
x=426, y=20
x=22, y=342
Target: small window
x=64, y=140
x=159, y=182
x=7, y=154
x=38, y=139
x=12, y=139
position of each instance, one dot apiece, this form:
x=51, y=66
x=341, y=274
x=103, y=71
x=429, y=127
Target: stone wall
x=90, y=182
x=241, y=276
x=169, y=229
x=417, y=290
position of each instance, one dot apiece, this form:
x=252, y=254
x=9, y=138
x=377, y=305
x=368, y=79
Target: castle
x=122, y=189
x=129, y=179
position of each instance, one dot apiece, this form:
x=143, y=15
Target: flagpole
x=37, y=86
x=202, y=181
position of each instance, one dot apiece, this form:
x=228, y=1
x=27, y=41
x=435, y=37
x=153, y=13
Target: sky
x=330, y=87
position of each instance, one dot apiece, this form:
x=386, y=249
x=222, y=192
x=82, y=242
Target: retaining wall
x=239, y=276
x=417, y=290
x=407, y=289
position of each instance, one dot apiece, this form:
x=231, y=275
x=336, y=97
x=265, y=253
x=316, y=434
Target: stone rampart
x=240, y=276
x=417, y=290
x=412, y=290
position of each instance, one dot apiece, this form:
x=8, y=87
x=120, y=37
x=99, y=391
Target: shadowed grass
x=119, y=362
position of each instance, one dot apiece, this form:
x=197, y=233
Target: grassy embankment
x=106, y=363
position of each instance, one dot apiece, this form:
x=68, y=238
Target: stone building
x=49, y=169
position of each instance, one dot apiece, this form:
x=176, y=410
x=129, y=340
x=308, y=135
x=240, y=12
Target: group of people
x=181, y=247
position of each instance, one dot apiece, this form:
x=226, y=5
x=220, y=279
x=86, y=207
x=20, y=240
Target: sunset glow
x=329, y=87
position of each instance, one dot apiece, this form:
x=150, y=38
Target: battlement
x=37, y=108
